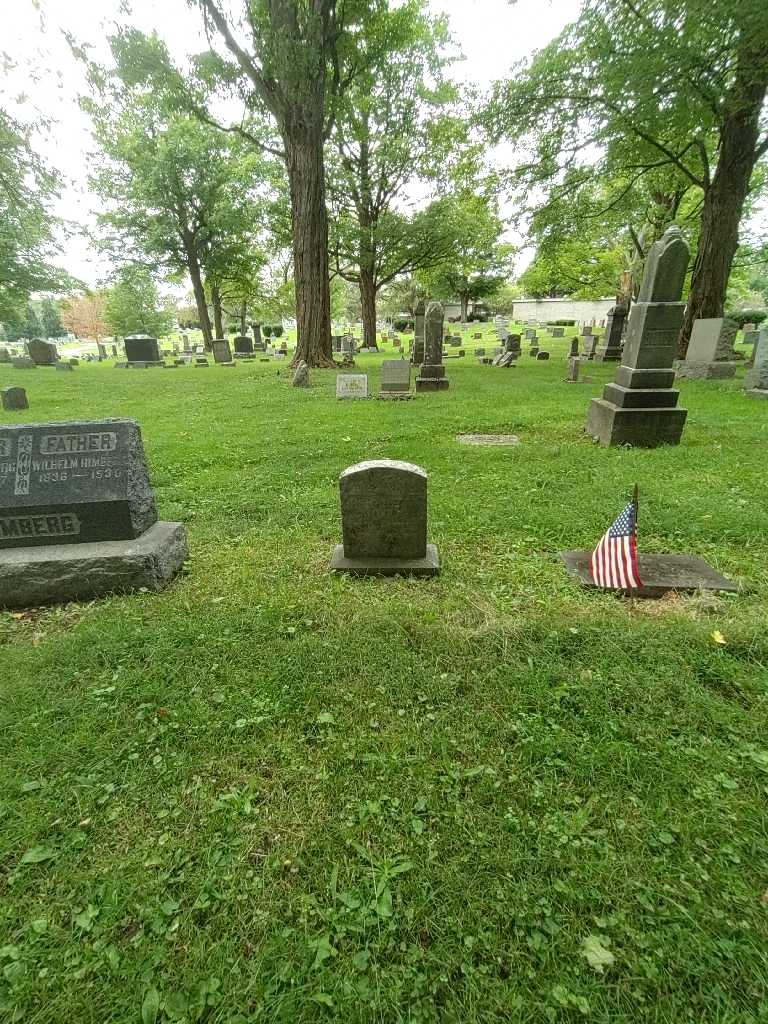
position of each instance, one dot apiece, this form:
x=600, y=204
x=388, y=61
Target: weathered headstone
x=610, y=350
x=221, y=351
x=64, y=367
x=23, y=363
x=142, y=349
x=77, y=514
x=574, y=365
x=259, y=345
x=395, y=378
x=14, y=399
x=114, y=351
x=417, y=351
x=710, y=350
x=574, y=351
x=756, y=382
x=352, y=385
x=102, y=351
x=432, y=372
x=301, y=375
x=384, y=521
x=640, y=408
x=42, y=353
x=5, y=355
x=513, y=345
x=558, y=332
x=244, y=347
x=586, y=331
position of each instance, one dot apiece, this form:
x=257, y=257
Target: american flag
x=614, y=560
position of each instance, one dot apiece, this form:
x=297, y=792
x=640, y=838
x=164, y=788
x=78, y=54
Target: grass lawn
x=269, y=794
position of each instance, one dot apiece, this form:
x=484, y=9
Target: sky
x=492, y=34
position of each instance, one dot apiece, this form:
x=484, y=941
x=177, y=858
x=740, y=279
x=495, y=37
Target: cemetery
x=380, y=673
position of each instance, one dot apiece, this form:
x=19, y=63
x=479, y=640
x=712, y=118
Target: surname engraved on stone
x=5, y=448
x=59, y=525
x=57, y=444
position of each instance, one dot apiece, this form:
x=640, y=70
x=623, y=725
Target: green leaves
x=38, y=855
x=596, y=953
x=150, y=1006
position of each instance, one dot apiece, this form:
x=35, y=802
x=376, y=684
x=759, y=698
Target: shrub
x=277, y=331
x=402, y=323
x=266, y=330
x=748, y=316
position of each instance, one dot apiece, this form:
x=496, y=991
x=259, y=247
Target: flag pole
x=635, y=499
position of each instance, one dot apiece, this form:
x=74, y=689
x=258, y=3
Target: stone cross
x=384, y=521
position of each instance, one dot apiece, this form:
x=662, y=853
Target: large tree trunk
x=368, y=301
x=218, y=319
x=243, y=318
x=309, y=218
x=725, y=197
x=464, y=304
x=202, y=306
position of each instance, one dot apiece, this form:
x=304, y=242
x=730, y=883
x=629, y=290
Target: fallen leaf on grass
x=38, y=854
x=596, y=954
x=718, y=637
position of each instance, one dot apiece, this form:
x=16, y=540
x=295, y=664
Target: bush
x=266, y=330
x=748, y=316
x=402, y=323
x=277, y=331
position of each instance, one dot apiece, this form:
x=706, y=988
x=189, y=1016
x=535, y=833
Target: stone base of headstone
x=427, y=566
x=139, y=364
x=606, y=355
x=756, y=393
x=660, y=574
x=485, y=360
x=431, y=383
x=81, y=572
x=611, y=424
x=64, y=366
x=245, y=355
x=23, y=363
x=691, y=370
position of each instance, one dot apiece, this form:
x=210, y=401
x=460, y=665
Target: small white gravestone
x=352, y=385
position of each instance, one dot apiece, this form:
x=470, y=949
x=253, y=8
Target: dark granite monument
x=417, y=350
x=610, y=349
x=432, y=372
x=640, y=408
x=259, y=345
x=384, y=521
x=221, y=351
x=77, y=514
x=42, y=353
x=142, y=350
x=244, y=347
x=14, y=399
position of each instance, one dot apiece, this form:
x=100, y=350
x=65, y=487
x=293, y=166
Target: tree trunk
x=202, y=306
x=309, y=219
x=243, y=318
x=368, y=301
x=464, y=304
x=725, y=197
x=218, y=320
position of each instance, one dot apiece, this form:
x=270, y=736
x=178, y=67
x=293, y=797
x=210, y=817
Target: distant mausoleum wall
x=583, y=310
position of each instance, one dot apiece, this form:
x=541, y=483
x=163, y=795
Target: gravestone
x=244, y=347
x=590, y=344
x=42, y=353
x=574, y=365
x=530, y=334
x=259, y=345
x=102, y=351
x=477, y=336
x=710, y=350
x=574, y=348
x=432, y=372
x=640, y=408
x=351, y=385
x=384, y=521
x=559, y=332
x=513, y=345
x=395, y=378
x=417, y=351
x=77, y=514
x=23, y=363
x=201, y=361
x=5, y=355
x=14, y=399
x=756, y=382
x=586, y=331
x=64, y=367
x=479, y=352
x=185, y=343
x=534, y=349
x=221, y=351
x=502, y=327
x=610, y=350
x=143, y=350
x=114, y=351
x=542, y=355
x=301, y=376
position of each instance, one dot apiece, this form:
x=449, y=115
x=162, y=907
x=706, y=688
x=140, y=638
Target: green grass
x=269, y=794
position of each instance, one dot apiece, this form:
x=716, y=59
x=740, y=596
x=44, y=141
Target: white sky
x=493, y=35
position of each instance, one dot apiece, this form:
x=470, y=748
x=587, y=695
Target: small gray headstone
x=221, y=351
x=352, y=385
x=43, y=353
x=301, y=376
x=395, y=376
x=384, y=520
